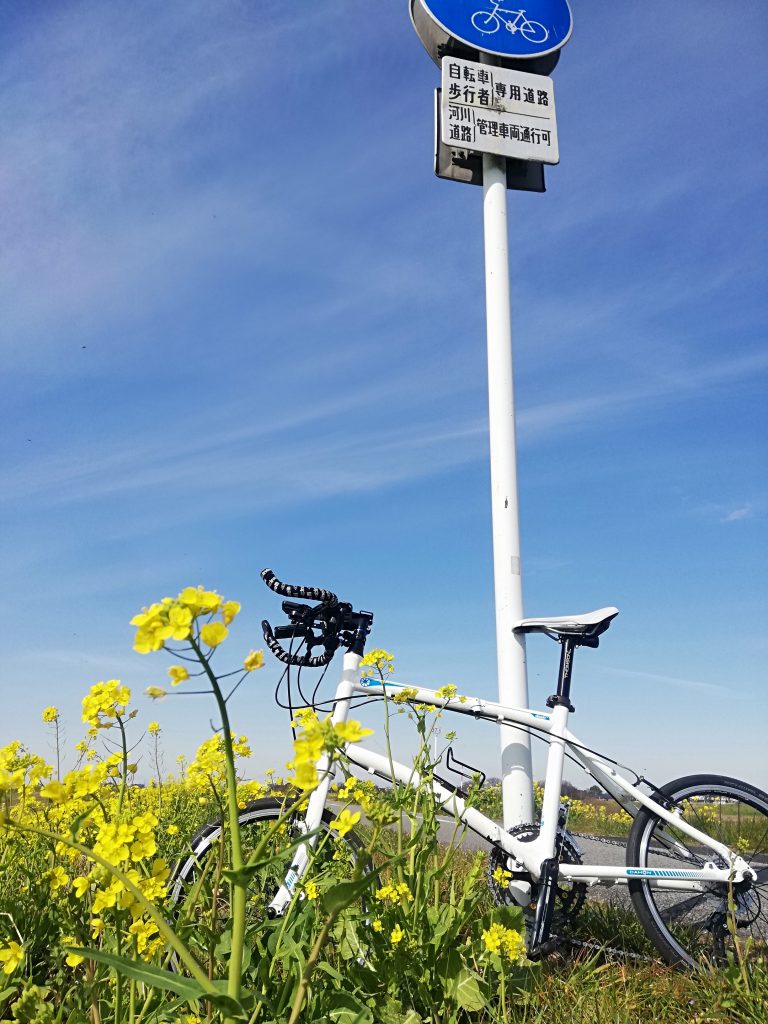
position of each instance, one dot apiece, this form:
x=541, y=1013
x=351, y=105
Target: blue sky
x=243, y=326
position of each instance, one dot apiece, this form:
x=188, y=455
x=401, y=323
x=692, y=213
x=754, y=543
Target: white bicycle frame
x=526, y=856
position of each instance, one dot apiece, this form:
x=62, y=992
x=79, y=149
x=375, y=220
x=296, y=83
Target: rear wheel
x=701, y=928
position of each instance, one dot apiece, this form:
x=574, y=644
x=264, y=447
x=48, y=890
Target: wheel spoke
x=693, y=928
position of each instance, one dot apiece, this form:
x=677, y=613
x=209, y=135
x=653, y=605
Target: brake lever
x=304, y=661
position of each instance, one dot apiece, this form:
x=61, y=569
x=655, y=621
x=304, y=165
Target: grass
x=584, y=989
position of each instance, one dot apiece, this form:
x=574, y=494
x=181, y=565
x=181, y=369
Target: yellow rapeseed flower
x=57, y=878
x=81, y=886
x=213, y=633
x=143, y=931
x=492, y=938
x=397, y=935
x=51, y=714
x=72, y=959
x=501, y=876
x=351, y=732
x=105, y=702
x=156, y=692
x=345, y=822
x=498, y=938
x=254, y=660
x=199, y=600
x=403, y=696
x=377, y=660
x=229, y=610
x=11, y=956
x=310, y=890
x=153, y=728
x=514, y=946
x=143, y=846
x=305, y=776
x=449, y=690
x=55, y=791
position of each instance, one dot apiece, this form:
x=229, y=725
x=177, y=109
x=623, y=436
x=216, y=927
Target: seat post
x=563, y=696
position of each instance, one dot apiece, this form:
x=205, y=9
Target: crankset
x=569, y=896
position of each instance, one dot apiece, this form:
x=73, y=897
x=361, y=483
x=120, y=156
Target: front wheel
x=200, y=893
x=700, y=929
x=534, y=32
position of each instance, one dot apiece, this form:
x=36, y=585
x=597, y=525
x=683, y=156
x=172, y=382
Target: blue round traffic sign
x=530, y=28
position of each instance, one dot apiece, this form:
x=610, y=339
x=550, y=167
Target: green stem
x=237, y=889
x=306, y=974
x=159, y=779
x=124, y=779
x=58, y=751
x=118, y=980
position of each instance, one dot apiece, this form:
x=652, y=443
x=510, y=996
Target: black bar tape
x=287, y=590
x=305, y=660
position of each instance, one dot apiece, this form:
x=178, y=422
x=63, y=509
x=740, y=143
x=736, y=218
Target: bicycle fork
x=310, y=822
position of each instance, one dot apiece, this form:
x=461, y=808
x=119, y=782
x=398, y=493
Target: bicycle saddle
x=591, y=624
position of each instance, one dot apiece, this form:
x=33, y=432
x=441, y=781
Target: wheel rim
x=703, y=928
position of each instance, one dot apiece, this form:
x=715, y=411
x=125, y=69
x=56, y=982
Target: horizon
x=244, y=326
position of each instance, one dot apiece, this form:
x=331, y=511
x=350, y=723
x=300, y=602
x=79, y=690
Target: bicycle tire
x=481, y=19
x=691, y=930
x=213, y=904
x=534, y=32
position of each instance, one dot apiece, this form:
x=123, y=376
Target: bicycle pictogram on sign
x=489, y=22
x=509, y=28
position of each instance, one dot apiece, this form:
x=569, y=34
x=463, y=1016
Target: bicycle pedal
x=543, y=949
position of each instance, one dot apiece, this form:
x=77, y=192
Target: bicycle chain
x=658, y=850
x=610, y=951
x=613, y=951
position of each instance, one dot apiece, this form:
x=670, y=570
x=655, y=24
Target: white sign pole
x=516, y=769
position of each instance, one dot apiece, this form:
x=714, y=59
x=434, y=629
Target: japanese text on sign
x=496, y=110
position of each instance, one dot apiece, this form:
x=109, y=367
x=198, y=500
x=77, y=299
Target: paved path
x=592, y=852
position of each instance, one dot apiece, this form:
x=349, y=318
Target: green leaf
x=344, y=893
x=233, y=1007
x=391, y=1012
x=350, y=946
x=510, y=917
x=345, y=1009
x=468, y=994
x=326, y=968
x=154, y=977
x=75, y=825
x=460, y=984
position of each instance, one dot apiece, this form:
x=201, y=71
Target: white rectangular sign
x=492, y=110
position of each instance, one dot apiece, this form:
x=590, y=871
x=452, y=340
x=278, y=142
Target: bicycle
x=489, y=22
x=697, y=856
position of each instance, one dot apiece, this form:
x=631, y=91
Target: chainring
x=570, y=896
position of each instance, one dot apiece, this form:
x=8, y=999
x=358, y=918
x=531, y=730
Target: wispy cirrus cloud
x=736, y=515
x=663, y=680
x=301, y=456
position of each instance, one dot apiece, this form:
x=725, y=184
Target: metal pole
x=516, y=770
